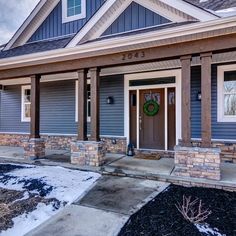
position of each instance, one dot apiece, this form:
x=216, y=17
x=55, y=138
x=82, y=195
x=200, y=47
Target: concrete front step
x=183, y=181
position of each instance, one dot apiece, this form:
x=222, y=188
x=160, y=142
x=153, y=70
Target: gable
x=133, y=18
x=105, y=20
x=45, y=21
x=53, y=27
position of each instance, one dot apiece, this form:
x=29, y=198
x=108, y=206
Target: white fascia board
x=160, y=10
x=28, y=21
x=196, y=12
x=97, y=48
x=25, y=24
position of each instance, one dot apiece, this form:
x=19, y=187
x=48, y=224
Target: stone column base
x=197, y=162
x=34, y=148
x=88, y=153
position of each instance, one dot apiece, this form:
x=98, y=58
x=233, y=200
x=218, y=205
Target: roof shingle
x=214, y=5
x=35, y=47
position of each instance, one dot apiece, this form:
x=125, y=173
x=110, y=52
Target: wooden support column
x=186, y=100
x=35, y=107
x=95, y=100
x=206, y=60
x=82, y=105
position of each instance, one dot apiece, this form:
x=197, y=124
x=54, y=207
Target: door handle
x=140, y=123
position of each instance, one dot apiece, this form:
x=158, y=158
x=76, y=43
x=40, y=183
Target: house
x=93, y=76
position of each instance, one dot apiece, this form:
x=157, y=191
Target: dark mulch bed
x=5, y=168
x=160, y=217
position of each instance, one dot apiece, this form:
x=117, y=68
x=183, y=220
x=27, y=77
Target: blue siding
x=11, y=111
x=53, y=27
x=195, y=104
x=58, y=108
x=219, y=130
x=112, y=116
x=135, y=17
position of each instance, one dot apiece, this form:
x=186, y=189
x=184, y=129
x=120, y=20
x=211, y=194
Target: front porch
x=171, y=76
x=121, y=165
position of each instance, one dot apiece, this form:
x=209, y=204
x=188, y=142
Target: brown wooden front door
x=152, y=128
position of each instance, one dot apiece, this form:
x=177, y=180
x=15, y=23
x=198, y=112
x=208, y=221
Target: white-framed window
x=73, y=10
x=88, y=101
x=226, y=93
x=25, y=103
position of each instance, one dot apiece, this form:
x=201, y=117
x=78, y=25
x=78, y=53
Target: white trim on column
x=166, y=119
x=156, y=74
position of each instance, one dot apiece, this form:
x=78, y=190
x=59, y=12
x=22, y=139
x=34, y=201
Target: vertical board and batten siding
x=58, y=108
x=53, y=27
x=220, y=130
x=133, y=18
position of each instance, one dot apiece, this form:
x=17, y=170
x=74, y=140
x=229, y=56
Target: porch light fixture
x=199, y=96
x=110, y=100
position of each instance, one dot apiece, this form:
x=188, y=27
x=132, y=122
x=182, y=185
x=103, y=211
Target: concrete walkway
x=104, y=210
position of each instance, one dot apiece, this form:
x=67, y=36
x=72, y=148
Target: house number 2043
x=133, y=55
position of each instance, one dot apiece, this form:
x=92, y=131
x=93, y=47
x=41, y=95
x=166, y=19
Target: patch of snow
x=28, y=221
x=227, y=12
x=206, y=229
x=64, y=184
x=67, y=184
x=26, y=196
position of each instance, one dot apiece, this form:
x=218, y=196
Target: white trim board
x=221, y=117
x=66, y=19
x=148, y=75
x=23, y=118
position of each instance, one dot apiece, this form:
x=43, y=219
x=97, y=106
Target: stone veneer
x=197, y=162
x=34, y=148
x=228, y=149
x=62, y=142
x=88, y=153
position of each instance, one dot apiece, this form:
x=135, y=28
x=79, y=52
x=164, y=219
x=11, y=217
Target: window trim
x=66, y=19
x=221, y=117
x=23, y=118
x=76, y=101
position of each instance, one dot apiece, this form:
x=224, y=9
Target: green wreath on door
x=147, y=105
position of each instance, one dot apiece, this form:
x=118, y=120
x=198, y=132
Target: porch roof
x=165, y=44
x=39, y=46
x=213, y=5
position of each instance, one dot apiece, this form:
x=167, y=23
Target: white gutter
x=97, y=48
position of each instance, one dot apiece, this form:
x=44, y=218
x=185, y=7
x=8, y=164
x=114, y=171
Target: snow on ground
x=207, y=230
x=50, y=182
x=227, y=12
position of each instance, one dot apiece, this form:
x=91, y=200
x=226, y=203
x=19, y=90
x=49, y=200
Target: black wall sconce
x=199, y=96
x=110, y=100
